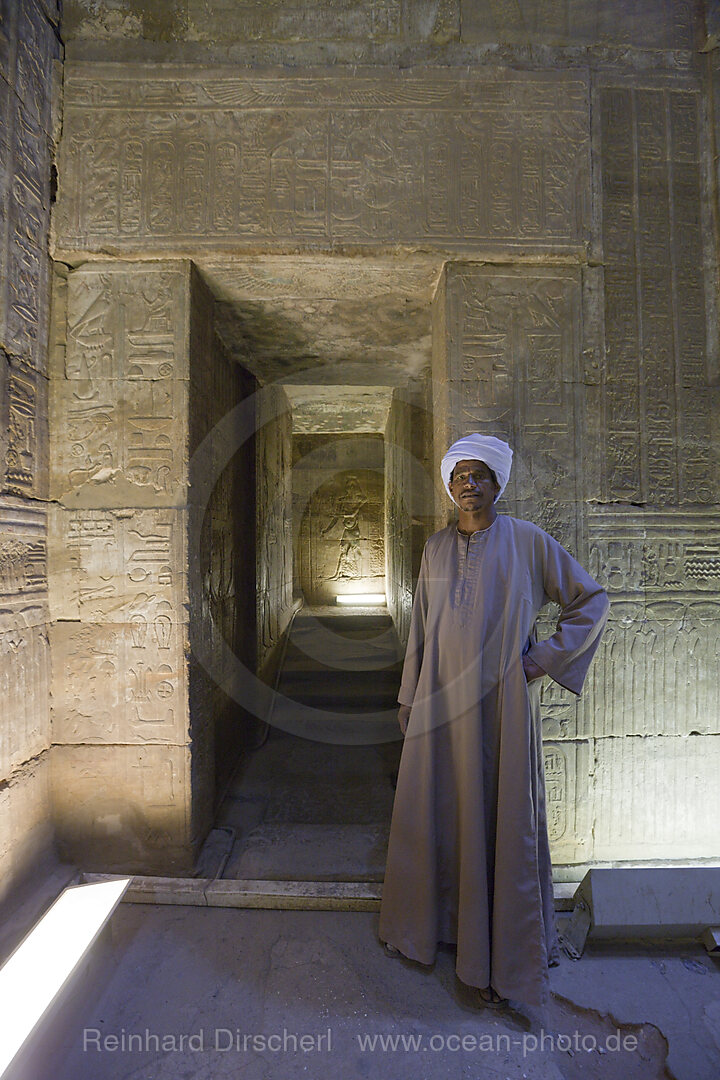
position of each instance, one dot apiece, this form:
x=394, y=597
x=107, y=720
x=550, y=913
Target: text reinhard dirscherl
x=227, y=1040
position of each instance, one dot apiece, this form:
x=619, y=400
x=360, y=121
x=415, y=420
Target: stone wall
x=142, y=562
x=274, y=566
x=220, y=559
x=409, y=498
x=368, y=31
x=29, y=80
x=559, y=160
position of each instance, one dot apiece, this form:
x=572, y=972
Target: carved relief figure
x=348, y=507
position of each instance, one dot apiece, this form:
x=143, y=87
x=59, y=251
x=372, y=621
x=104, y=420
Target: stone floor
x=245, y=985
x=314, y=809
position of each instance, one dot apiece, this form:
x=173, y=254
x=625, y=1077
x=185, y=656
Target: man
x=468, y=858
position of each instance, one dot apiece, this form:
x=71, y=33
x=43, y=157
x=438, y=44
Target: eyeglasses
x=475, y=477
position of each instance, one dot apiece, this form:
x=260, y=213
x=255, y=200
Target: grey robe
x=468, y=858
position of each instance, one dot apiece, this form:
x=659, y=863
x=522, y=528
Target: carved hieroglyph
x=512, y=369
x=516, y=355
x=214, y=160
x=119, y=402
x=656, y=401
x=656, y=672
x=23, y=428
x=28, y=47
x=120, y=588
x=24, y=655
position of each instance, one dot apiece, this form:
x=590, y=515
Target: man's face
x=472, y=486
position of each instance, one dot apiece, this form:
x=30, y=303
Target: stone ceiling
x=339, y=333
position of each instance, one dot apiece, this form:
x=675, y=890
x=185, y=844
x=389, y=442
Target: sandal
x=390, y=950
x=491, y=998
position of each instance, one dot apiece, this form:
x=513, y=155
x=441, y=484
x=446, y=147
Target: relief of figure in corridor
x=347, y=507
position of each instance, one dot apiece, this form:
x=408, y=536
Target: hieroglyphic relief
x=342, y=538
x=321, y=159
x=655, y=24
x=29, y=48
x=112, y=564
x=24, y=655
x=119, y=683
x=120, y=663
x=567, y=802
x=512, y=369
x=657, y=398
x=317, y=20
x=24, y=693
x=119, y=407
x=24, y=440
x=23, y=553
x=656, y=672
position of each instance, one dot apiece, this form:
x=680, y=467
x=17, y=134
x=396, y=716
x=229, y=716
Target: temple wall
x=29, y=73
x=142, y=562
x=375, y=31
x=559, y=161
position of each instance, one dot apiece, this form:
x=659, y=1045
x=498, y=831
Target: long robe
x=468, y=857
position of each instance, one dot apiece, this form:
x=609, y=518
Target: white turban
x=496, y=454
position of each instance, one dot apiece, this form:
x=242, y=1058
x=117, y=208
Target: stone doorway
x=314, y=799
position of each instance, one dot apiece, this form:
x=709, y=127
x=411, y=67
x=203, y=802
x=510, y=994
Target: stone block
x=513, y=341
x=28, y=46
x=113, y=565
x=119, y=393
x=25, y=696
x=659, y=396
x=24, y=449
x=228, y=24
x=439, y=159
x=123, y=809
x=658, y=902
x=26, y=831
x=655, y=672
x=127, y=321
x=24, y=298
x=23, y=564
x=647, y=24
x=319, y=20
x=123, y=445
x=656, y=798
x=119, y=683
